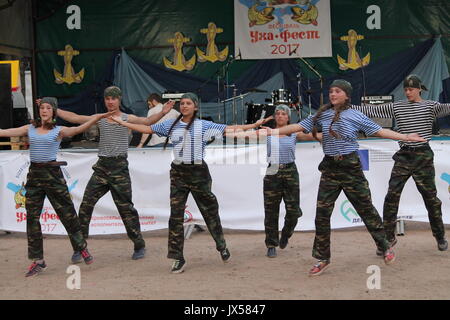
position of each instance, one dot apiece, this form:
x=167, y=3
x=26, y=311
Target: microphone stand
x=320, y=78
x=300, y=105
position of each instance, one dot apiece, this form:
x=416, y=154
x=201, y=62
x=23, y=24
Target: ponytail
x=194, y=116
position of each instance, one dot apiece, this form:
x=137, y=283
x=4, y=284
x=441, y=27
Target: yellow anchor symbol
x=179, y=62
x=69, y=76
x=354, y=61
x=212, y=52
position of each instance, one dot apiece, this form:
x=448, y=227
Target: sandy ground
x=420, y=271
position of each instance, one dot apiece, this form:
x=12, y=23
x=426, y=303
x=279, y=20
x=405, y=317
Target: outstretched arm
x=73, y=117
x=136, y=127
x=153, y=118
x=240, y=130
x=15, y=132
x=71, y=131
x=442, y=109
x=376, y=110
x=389, y=134
x=287, y=130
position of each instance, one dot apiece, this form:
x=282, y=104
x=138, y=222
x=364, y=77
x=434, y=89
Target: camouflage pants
x=111, y=174
x=417, y=163
x=50, y=182
x=284, y=185
x=194, y=179
x=346, y=175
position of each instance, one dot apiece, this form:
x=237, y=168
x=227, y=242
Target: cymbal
x=254, y=90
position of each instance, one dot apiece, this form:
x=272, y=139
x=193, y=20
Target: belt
x=115, y=157
x=48, y=164
x=189, y=163
x=282, y=165
x=341, y=156
x=416, y=148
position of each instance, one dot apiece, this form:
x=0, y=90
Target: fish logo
x=305, y=16
x=261, y=16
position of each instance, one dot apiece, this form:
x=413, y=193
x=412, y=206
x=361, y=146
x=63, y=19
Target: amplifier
x=173, y=96
x=383, y=122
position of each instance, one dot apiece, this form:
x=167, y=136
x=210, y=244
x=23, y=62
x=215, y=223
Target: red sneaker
x=389, y=256
x=319, y=267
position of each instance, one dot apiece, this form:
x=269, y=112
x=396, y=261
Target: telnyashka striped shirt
x=410, y=117
x=350, y=122
x=281, y=150
x=113, y=138
x=43, y=147
x=189, y=146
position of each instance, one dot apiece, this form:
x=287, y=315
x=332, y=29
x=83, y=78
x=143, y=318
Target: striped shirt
x=410, y=117
x=281, y=150
x=113, y=138
x=43, y=147
x=350, y=122
x=189, y=146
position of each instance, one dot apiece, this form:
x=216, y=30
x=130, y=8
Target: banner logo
x=446, y=177
x=69, y=76
x=353, y=59
x=347, y=210
x=179, y=62
x=212, y=53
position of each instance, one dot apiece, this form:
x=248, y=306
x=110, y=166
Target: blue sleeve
x=162, y=128
x=212, y=129
x=367, y=125
x=307, y=124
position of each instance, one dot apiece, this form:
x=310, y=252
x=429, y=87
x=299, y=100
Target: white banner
x=237, y=174
x=281, y=29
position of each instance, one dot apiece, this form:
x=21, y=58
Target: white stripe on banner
x=282, y=29
x=237, y=175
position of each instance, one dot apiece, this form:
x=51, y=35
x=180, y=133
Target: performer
x=414, y=159
x=281, y=181
x=155, y=105
x=45, y=179
x=341, y=169
x=111, y=170
x=190, y=174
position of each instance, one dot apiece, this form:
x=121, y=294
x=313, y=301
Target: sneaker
x=283, y=242
x=389, y=256
x=88, y=258
x=76, y=257
x=319, y=267
x=442, y=245
x=178, y=266
x=138, y=254
x=380, y=252
x=225, y=255
x=272, y=252
x=36, y=268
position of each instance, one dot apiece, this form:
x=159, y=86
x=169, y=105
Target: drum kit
x=256, y=111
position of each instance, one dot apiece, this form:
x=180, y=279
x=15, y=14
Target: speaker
x=20, y=117
x=6, y=104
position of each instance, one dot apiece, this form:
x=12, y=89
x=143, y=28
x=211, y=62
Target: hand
x=168, y=106
x=38, y=102
x=104, y=115
x=262, y=121
x=414, y=137
x=116, y=119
